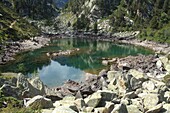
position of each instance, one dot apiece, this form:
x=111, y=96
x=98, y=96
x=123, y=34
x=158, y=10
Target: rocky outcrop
x=20, y=87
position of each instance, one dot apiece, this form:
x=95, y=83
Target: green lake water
x=55, y=71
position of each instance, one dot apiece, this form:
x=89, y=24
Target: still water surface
x=55, y=71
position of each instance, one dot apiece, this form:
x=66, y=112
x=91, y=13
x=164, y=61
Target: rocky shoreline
x=10, y=49
x=134, y=84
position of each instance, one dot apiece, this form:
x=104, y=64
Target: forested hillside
x=35, y=9
x=13, y=27
x=151, y=17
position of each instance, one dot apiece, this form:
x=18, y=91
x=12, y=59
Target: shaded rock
x=63, y=109
x=130, y=95
x=120, y=108
x=38, y=102
x=103, y=73
x=166, y=108
x=37, y=84
x=135, y=83
x=9, y=90
x=133, y=109
x=106, y=95
x=101, y=110
x=155, y=109
x=150, y=100
x=109, y=106
x=27, y=89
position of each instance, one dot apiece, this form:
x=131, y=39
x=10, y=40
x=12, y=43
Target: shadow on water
x=54, y=71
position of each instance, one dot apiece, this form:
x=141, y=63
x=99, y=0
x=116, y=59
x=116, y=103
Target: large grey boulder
x=93, y=100
x=30, y=89
x=37, y=84
x=39, y=102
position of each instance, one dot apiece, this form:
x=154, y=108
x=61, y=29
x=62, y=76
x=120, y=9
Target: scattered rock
x=93, y=100
x=39, y=102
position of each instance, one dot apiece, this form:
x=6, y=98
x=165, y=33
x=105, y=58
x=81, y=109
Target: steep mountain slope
x=149, y=16
x=13, y=27
x=35, y=9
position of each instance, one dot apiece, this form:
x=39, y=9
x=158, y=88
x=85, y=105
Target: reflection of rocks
x=63, y=53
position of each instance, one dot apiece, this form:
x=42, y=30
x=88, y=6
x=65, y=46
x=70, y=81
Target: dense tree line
x=35, y=9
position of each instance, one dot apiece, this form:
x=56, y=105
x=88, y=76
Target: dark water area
x=54, y=71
